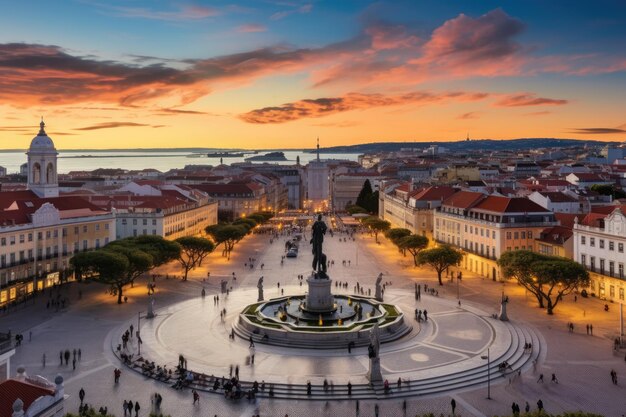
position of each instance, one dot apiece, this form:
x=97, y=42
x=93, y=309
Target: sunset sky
x=277, y=74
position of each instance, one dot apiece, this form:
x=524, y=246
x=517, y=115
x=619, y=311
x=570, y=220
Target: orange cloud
x=527, y=99
x=112, y=125
x=352, y=101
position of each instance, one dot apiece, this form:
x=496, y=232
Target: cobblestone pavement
x=582, y=362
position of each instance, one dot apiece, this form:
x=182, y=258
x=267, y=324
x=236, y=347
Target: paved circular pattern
x=445, y=354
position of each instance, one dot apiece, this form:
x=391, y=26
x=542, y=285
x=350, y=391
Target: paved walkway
x=91, y=323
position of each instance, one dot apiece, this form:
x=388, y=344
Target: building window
x=601, y=243
x=154, y=231
x=97, y=243
x=3, y=241
x=124, y=222
x=620, y=270
x=12, y=240
x=583, y=260
x=153, y=222
x=106, y=241
x=106, y=226
x=611, y=268
x=612, y=291
x=602, y=266
x=592, y=241
x=97, y=227
x=21, y=238
x=134, y=222
x=85, y=229
x=85, y=245
x=530, y=234
x=620, y=247
x=145, y=222
x=30, y=237
x=515, y=235
x=592, y=263
x=611, y=245
x=621, y=294
x=508, y=235
x=523, y=235
x=493, y=234
x=76, y=230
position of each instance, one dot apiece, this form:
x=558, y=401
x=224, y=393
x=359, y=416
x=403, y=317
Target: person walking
x=376, y=410
x=125, y=407
x=74, y=364
x=43, y=360
x=81, y=395
x=540, y=378
x=527, y=407
x=453, y=405
x=540, y=405
x=554, y=379
x=130, y=405
x=196, y=397
x=137, y=408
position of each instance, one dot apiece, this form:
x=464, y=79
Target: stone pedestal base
x=319, y=299
x=374, y=374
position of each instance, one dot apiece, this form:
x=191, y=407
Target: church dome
x=42, y=141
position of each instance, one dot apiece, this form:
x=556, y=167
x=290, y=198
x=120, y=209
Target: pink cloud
x=313, y=108
x=528, y=99
x=251, y=28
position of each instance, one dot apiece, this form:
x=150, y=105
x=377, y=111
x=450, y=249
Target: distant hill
x=463, y=145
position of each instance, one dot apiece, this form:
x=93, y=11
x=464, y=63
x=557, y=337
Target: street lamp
x=488, y=357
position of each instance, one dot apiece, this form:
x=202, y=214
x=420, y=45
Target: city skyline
x=277, y=74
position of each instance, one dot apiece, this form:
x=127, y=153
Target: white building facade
x=601, y=250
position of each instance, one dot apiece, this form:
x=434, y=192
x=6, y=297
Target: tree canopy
x=104, y=266
x=439, y=258
x=193, y=251
x=414, y=244
x=367, y=198
x=227, y=234
x=548, y=278
x=376, y=225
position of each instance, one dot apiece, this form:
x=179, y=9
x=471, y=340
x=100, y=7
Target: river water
x=137, y=159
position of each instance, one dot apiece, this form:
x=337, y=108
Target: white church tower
x=42, y=165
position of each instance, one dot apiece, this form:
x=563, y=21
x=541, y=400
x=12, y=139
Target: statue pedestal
x=319, y=299
x=374, y=374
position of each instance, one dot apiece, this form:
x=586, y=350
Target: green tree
x=559, y=277
x=247, y=222
x=372, y=203
x=193, y=251
x=606, y=189
x=161, y=250
x=414, y=244
x=106, y=267
x=519, y=265
x=226, y=234
x=376, y=225
x=364, y=195
x=353, y=209
x=139, y=262
x=440, y=259
x=257, y=217
x=395, y=234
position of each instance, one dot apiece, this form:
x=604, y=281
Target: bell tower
x=42, y=165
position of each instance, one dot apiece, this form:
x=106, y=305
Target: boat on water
x=271, y=156
x=225, y=154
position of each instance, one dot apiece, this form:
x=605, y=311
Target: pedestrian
x=80, y=354
x=591, y=329
x=60, y=358
x=125, y=407
x=81, y=395
x=349, y=388
x=376, y=410
x=130, y=408
x=357, y=408
x=425, y=315
x=137, y=408
x=453, y=405
x=540, y=378
x=527, y=407
x=554, y=379
x=74, y=364
x=43, y=360
x=587, y=329
x=540, y=405
x=237, y=371
x=196, y=397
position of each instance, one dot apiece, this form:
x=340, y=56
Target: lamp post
x=488, y=357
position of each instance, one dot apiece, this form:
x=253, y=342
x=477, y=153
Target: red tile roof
x=567, y=219
x=11, y=390
x=509, y=205
x=433, y=193
x=558, y=197
x=8, y=197
x=463, y=199
x=593, y=219
x=556, y=234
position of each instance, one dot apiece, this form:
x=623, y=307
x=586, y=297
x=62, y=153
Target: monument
x=379, y=291
x=505, y=300
x=259, y=285
x=373, y=352
x=319, y=298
